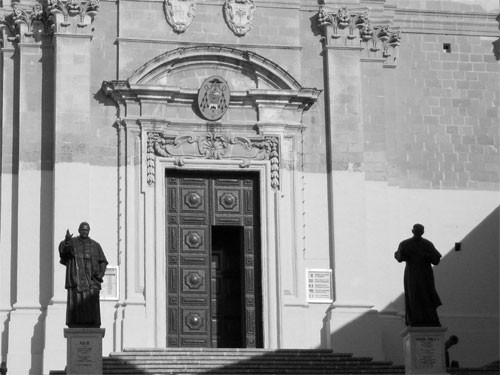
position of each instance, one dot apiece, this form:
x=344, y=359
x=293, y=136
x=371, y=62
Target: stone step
x=231, y=371
x=241, y=367
x=198, y=361
x=242, y=362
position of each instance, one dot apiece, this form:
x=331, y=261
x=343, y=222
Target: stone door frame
x=269, y=267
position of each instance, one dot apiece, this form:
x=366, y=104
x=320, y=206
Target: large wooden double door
x=213, y=260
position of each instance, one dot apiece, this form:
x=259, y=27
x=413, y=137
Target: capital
x=72, y=16
x=23, y=23
x=353, y=28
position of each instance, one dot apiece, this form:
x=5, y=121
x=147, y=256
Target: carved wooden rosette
x=344, y=26
x=212, y=146
x=239, y=15
x=179, y=14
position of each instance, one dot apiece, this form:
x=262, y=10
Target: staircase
x=242, y=361
x=491, y=369
x=254, y=362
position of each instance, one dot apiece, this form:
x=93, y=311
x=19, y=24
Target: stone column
x=28, y=241
x=71, y=42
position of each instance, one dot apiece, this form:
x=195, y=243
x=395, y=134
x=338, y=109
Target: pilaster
x=6, y=183
x=30, y=171
x=342, y=69
x=72, y=36
x=134, y=309
x=350, y=38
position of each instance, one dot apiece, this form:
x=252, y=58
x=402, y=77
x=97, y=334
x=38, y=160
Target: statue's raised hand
x=68, y=236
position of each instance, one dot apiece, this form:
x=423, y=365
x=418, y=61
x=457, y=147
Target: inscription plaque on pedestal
x=84, y=355
x=424, y=350
x=427, y=352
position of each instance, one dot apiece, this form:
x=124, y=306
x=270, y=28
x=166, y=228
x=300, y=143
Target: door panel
x=213, y=299
x=188, y=262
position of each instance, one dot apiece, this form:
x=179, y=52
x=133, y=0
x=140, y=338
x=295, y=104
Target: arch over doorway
x=263, y=72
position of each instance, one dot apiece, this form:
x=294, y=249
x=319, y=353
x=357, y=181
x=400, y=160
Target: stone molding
x=353, y=28
x=213, y=54
x=179, y=14
x=212, y=146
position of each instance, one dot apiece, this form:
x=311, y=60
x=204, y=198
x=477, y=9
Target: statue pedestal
x=84, y=351
x=424, y=350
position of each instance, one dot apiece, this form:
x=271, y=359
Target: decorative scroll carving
x=239, y=15
x=212, y=146
x=349, y=25
x=179, y=14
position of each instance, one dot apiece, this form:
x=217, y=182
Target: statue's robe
x=421, y=297
x=85, y=266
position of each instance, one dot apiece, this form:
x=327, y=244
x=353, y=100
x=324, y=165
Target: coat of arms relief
x=179, y=13
x=239, y=15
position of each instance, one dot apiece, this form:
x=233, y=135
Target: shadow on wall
x=468, y=283
x=496, y=43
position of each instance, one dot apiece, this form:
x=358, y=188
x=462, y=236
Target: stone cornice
x=447, y=22
x=123, y=91
x=353, y=28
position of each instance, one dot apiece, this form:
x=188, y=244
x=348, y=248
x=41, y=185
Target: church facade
x=249, y=169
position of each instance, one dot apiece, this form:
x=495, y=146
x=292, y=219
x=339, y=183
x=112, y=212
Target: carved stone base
x=424, y=350
x=84, y=354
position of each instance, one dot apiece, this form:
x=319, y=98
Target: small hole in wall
x=446, y=47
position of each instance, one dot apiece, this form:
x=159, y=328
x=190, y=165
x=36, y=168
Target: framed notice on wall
x=319, y=285
x=109, y=287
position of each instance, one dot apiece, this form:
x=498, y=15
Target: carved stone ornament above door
x=179, y=14
x=213, y=146
x=239, y=15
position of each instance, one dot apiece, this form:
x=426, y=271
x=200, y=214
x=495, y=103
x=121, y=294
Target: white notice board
x=319, y=285
x=110, y=287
